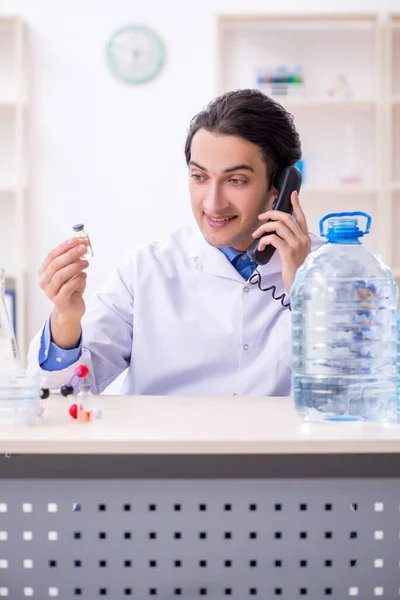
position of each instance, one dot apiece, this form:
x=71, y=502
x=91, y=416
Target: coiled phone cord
x=255, y=279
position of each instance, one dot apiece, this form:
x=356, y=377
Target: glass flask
x=9, y=355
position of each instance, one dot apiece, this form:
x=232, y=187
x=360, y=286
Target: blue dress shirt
x=53, y=358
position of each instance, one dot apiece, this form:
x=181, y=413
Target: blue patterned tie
x=244, y=265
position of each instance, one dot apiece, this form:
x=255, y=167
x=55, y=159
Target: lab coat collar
x=211, y=260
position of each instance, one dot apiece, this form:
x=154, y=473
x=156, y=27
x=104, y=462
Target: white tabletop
x=156, y=424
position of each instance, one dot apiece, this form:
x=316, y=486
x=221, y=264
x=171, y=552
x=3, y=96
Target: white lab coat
x=179, y=317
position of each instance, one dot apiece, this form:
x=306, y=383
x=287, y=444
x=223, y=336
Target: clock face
x=135, y=54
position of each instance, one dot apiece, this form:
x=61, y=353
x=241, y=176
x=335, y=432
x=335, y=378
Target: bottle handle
x=346, y=214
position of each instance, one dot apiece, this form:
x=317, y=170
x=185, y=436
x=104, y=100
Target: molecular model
x=77, y=410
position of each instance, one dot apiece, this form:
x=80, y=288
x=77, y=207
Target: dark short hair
x=255, y=117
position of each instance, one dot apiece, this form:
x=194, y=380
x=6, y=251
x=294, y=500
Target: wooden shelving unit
x=13, y=180
x=326, y=46
x=392, y=136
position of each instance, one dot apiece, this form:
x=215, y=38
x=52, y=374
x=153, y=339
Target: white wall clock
x=135, y=54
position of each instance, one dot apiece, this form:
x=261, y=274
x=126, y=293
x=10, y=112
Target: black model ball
x=44, y=393
x=66, y=390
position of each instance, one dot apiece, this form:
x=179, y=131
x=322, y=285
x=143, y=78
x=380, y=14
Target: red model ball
x=73, y=410
x=82, y=371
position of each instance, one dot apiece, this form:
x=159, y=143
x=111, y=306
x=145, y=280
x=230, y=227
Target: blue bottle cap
x=343, y=227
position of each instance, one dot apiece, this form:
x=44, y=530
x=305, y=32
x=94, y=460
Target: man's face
x=228, y=188
x=365, y=294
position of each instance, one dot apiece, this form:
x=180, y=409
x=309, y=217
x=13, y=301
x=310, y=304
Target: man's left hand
x=290, y=237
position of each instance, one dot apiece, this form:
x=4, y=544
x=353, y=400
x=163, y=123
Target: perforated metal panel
x=191, y=538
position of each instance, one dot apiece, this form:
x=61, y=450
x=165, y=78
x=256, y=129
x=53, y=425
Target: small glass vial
x=83, y=237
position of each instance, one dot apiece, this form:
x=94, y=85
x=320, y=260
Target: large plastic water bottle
x=398, y=368
x=343, y=303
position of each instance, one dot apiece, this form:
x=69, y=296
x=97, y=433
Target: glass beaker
x=10, y=361
x=20, y=404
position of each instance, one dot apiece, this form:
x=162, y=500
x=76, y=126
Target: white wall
x=106, y=153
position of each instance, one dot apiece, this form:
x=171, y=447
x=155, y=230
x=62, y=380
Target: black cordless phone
x=286, y=181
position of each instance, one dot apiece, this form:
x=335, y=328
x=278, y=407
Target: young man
x=181, y=315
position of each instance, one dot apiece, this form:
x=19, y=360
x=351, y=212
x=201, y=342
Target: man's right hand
x=63, y=280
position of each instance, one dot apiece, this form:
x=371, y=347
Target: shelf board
x=395, y=186
x=344, y=189
x=288, y=102
x=9, y=20
x=298, y=17
x=12, y=104
x=395, y=99
x=7, y=189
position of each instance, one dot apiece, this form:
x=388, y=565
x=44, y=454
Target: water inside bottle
x=344, y=323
